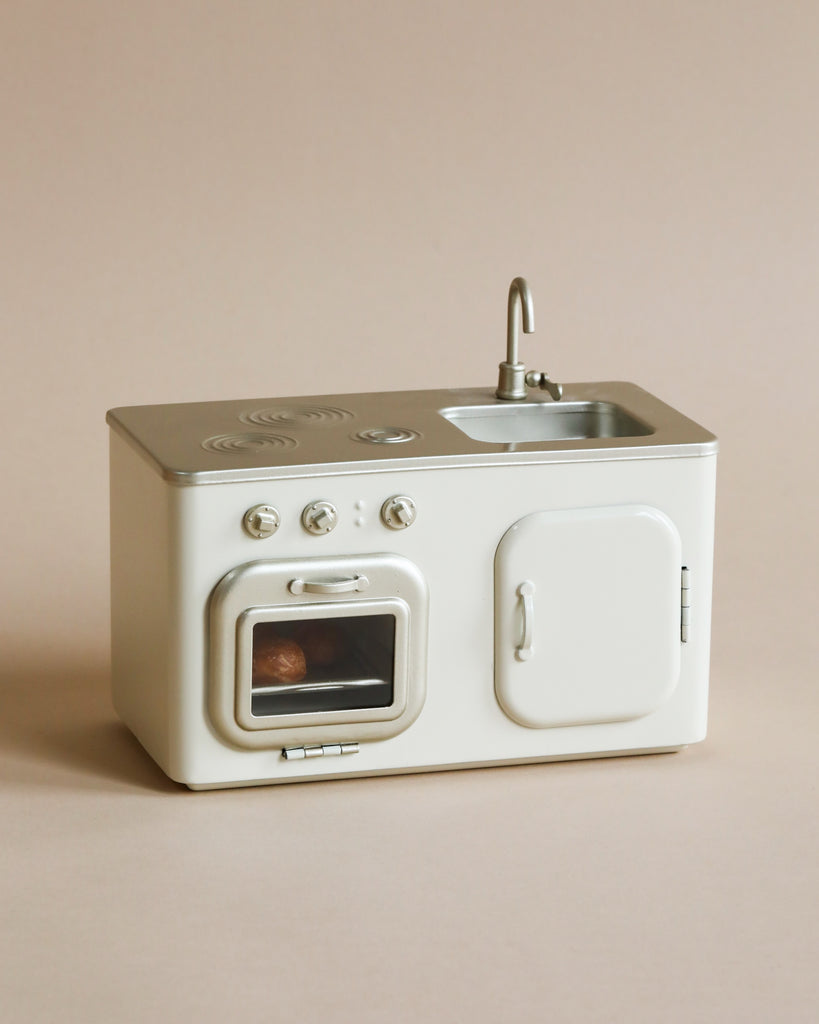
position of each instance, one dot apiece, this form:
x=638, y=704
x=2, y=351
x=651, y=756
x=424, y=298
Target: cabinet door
x=587, y=615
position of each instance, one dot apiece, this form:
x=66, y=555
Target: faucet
x=513, y=379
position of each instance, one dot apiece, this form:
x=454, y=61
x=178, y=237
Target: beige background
x=204, y=200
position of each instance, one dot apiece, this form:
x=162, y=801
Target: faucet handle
x=536, y=379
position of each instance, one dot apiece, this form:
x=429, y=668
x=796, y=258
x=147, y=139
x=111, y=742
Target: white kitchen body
x=347, y=585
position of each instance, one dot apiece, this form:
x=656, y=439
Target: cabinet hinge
x=685, y=603
x=318, y=750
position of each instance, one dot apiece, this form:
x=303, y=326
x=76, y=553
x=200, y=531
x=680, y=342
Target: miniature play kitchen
x=342, y=585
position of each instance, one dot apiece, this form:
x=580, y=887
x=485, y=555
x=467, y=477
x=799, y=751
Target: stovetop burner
x=386, y=435
x=244, y=444
x=297, y=416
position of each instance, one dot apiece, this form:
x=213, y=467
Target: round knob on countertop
x=261, y=521
x=398, y=512
x=319, y=517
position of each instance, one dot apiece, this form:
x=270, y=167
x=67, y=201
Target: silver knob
x=398, y=512
x=320, y=517
x=261, y=521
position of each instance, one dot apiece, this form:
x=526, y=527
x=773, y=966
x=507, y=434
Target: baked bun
x=277, y=660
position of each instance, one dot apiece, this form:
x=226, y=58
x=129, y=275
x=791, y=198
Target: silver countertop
x=266, y=438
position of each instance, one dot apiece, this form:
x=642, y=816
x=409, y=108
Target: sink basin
x=512, y=423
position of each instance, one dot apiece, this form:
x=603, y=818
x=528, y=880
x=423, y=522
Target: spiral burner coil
x=246, y=444
x=386, y=435
x=297, y=416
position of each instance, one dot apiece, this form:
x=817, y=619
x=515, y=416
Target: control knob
x=319, y=517
x=398, y=512
x=261, y=521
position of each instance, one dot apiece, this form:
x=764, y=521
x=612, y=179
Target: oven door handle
x=337, y=585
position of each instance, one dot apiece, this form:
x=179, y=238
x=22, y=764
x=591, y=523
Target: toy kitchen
x=349, y=585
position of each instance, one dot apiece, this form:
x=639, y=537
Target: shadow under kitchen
x=58, y=729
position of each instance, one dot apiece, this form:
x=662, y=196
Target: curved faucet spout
x=513, y=380
x=520, y=301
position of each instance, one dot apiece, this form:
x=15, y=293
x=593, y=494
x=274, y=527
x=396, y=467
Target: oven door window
x=320, y=665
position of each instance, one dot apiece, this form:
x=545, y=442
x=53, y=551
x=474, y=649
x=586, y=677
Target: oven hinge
x=685, y=604
x=319, y=750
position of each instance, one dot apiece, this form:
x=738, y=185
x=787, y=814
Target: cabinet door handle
x=340, y=585
x=524, y=651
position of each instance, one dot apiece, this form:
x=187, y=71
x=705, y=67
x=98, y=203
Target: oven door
x=318, y=650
